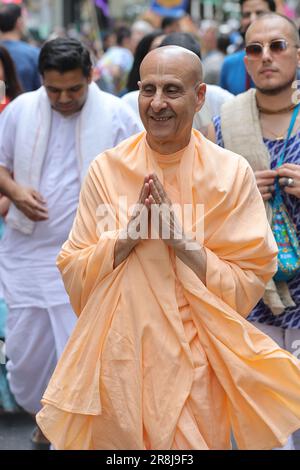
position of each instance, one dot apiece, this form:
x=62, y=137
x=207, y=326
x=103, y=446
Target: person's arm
x=27, y=200
x=8, y=187
x=194, y=258
x=4, y=205
x=123, y=248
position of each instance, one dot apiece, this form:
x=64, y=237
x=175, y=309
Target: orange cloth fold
x=157, y=359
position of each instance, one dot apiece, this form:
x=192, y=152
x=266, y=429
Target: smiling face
x=171, y=92
x=273, y=72
x=67, y=91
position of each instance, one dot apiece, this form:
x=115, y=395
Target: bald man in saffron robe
x=162, y=356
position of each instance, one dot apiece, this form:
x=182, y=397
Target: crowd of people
x=94, y=297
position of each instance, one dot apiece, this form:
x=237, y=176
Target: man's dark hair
x=185, y=40
x=63, y=55
x=123, y=32
x=271, y=4
x=9, y=14
x=168, y=21
x=12, y=84
x=141, y=51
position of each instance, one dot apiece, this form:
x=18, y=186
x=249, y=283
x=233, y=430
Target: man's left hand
x=289, y=178
x=169, y=228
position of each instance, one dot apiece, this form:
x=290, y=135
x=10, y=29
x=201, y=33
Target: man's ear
x=246, y=62
x=298, y=57
x=201, y=92
x=90, y=77
x=139, y=85
x=20, y=24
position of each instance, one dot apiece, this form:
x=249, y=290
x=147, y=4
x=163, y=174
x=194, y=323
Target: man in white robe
x=47, y=140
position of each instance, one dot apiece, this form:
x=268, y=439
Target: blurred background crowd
x=113, y=29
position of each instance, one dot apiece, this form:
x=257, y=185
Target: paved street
x=15, y=431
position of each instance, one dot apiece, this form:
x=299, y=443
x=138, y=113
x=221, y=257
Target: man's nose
x=64, y=97
x=266, y=55
x=253, y=17
x=158, y=102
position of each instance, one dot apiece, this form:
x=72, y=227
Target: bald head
x=174, y=58
x=275, y=20
x=171, y=92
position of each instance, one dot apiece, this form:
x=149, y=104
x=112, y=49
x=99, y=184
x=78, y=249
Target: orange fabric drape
x=127, y=377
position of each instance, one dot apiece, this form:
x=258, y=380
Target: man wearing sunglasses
x=234, y=76
x=255, y=124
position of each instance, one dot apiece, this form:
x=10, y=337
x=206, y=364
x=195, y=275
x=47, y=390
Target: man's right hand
x=265, y=182
x=130, y=236
x=31, y=203
x=141, y=210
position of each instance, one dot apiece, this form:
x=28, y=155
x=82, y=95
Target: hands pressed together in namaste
x=153, y=197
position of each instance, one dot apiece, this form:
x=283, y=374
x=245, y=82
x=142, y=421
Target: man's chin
x=274, y=89
x=65, y=111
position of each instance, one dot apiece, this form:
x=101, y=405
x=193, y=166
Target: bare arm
x=8, y=187
x=195, y=259
x=123, y=249
x=4, y=205
x=27, y=200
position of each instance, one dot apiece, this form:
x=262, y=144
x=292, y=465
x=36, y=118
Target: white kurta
x=27, y=263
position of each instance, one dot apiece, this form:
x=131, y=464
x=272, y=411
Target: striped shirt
x=261, y=313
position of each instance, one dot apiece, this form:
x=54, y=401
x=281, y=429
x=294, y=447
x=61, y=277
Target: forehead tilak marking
x=160, y=68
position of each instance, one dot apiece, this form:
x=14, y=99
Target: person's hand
x=170, y=231
x=138, y=223
x=4, y=205
x=137, y=227
x=31, y=203
x=289, y=178
x=265, y=180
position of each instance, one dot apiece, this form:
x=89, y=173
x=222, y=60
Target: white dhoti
x=35, y=339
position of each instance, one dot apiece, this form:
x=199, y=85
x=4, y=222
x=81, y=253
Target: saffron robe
x=127, y=377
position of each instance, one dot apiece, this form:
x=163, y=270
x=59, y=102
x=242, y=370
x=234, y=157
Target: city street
x=15, y=431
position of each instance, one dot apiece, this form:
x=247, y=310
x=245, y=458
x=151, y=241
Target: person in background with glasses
x=234, y=76
x=255, y=125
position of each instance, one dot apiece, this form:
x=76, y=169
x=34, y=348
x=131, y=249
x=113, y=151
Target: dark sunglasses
x=255, y=50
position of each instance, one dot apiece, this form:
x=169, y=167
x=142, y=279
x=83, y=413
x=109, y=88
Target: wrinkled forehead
x=265, y=30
